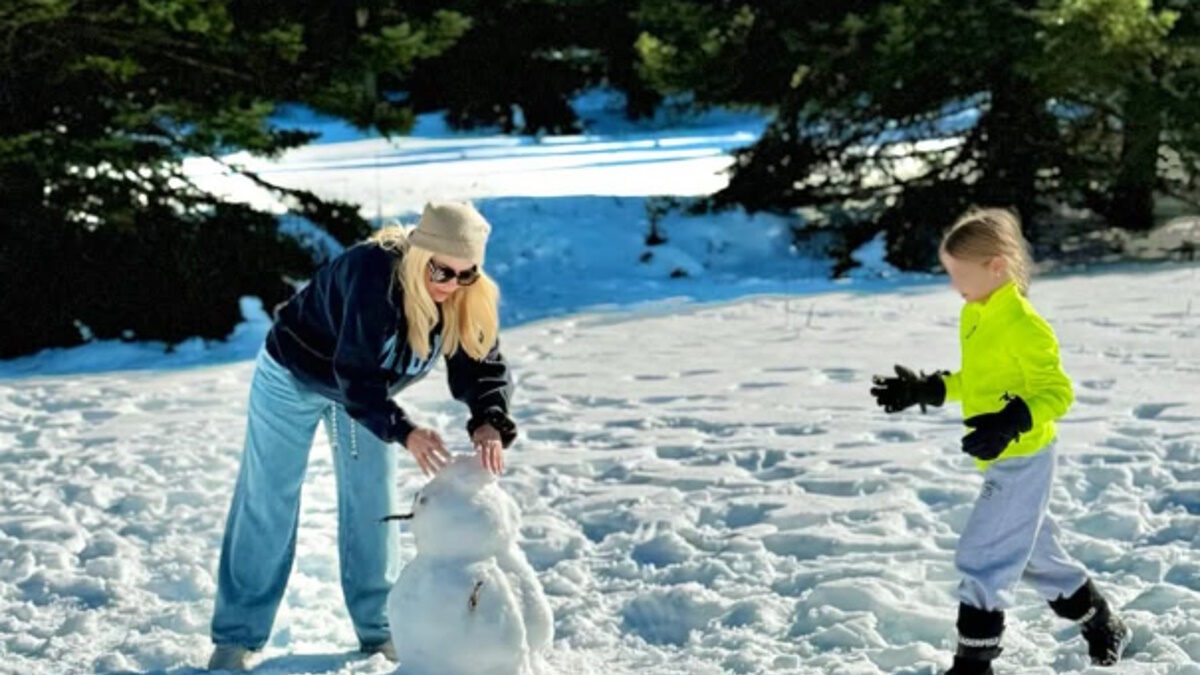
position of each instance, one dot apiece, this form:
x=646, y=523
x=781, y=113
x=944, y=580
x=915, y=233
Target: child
x=1012, y=388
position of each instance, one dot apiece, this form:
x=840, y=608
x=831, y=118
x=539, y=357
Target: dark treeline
x=886, y=116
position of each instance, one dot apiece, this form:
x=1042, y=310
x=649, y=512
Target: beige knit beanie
x=452, y=229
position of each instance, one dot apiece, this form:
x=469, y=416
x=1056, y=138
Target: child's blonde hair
x=982, y=234
x=470, y=318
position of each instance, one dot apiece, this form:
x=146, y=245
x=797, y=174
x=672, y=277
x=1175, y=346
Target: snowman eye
x=421, y=500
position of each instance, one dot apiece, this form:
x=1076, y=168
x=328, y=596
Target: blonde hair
x=470, y=320
x=982, y=234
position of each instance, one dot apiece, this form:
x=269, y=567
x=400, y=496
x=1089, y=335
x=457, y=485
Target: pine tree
x=102, y=233
x=521, y=62
x=897, y=115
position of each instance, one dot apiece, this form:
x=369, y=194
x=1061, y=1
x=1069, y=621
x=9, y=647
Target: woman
x=370, y=323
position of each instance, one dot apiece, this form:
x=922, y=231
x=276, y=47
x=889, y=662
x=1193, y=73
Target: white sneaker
x=386, y=648
x=232, y=658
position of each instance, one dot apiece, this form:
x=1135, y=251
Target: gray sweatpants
x=1010, y=536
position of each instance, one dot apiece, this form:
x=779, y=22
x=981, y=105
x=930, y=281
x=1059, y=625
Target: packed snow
x=469, y=584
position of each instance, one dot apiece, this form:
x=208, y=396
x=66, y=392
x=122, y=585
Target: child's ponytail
x=981, y=234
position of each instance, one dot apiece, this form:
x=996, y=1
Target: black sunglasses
x=440, y=274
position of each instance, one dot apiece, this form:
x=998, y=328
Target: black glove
x=907, y=389
x=994, y=431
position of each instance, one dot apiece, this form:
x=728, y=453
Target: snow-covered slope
x=705, y=489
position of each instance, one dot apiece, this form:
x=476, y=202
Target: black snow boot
x=1106, y=634
x=979, y=633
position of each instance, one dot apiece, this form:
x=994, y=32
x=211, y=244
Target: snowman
x=469, y=603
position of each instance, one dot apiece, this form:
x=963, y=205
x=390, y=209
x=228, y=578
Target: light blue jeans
x=1010, y=536
x=260, y=534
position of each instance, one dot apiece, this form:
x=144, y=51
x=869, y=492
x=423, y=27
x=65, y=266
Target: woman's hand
x=490, y=448
x=428, y=449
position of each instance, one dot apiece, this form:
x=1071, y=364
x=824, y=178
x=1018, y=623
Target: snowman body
x=469, y=603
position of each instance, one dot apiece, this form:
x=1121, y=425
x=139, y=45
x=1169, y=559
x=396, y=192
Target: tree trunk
x=1132, y=205
x=1015, y=138
x=33, y=246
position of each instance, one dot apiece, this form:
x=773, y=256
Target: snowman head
x=463, y=513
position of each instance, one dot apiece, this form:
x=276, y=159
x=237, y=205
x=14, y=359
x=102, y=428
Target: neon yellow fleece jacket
x=1007, y=348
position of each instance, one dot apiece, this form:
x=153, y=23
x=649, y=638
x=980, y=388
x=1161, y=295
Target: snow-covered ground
x=706, y=486
x=705, y=490
x=398, y=175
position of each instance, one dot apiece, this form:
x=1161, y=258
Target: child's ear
x=998, y=266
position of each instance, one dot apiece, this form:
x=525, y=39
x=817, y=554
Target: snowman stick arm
x=473, y=601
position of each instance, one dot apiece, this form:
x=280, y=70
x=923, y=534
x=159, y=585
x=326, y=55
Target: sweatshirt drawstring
x=333, y=433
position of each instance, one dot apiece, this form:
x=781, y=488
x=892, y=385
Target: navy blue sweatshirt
x=345, y=335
